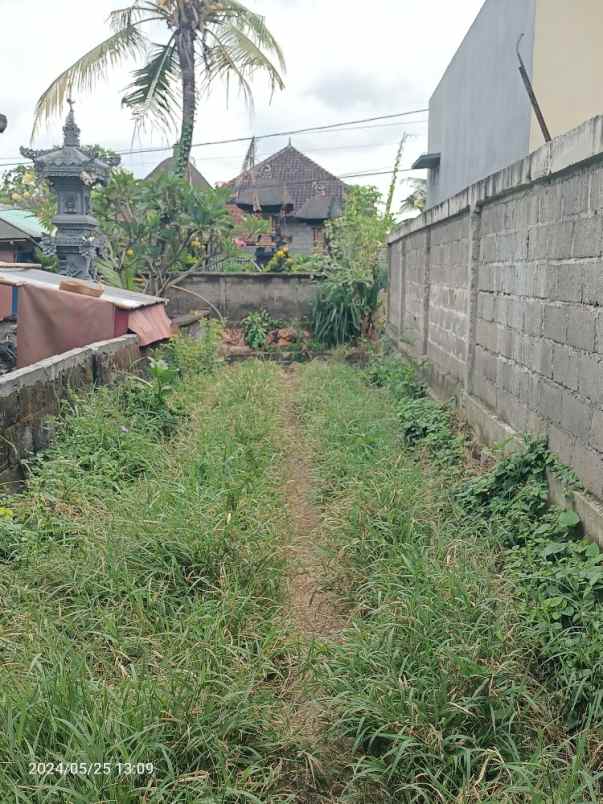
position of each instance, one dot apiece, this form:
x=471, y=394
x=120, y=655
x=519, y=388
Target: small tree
x=347, y=300
x=21, y=187
x=158, y=230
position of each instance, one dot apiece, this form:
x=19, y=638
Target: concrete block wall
x=286, y=297
x=29, y=396
x=414, y=261
x=510, y=276
x=448, y=297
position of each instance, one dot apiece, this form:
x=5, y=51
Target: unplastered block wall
x=512, y=288
x=539, y=350
x=448, y=294
x=29, y=396
x=287, y=297
x=415, y=267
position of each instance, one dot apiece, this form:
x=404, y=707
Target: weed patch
x=438, y=685
x=557, y=575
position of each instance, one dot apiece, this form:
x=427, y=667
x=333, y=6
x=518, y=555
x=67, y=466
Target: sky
x=346, y=60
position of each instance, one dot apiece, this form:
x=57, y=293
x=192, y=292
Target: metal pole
x=533, y=99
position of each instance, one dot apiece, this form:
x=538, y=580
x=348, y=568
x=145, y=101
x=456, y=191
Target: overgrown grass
x=140, y=589
x=437, y=683
x=143, y=619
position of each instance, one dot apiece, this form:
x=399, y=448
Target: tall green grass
x=140, y=588
x=433, y=684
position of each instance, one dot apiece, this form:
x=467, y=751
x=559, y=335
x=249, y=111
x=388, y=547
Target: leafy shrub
x=150, y=398
x=281, y=263
x=495, y=491
x=157, y=228
x=342, y=307
x=560, y=574
x=314, y=264
x=398, y=376
x=430, y=424
x=256, y=328
x=346, y=301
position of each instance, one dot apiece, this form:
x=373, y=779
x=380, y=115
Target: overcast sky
x=346, y=60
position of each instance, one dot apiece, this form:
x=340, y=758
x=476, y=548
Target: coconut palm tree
x=206, y=41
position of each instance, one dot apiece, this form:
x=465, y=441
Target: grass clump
x=434, y=686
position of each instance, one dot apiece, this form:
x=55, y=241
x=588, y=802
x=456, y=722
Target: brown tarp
x=151, y=324
x=51, y=322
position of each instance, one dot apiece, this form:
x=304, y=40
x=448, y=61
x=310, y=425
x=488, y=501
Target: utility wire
x=291, y=133
x=312, y=129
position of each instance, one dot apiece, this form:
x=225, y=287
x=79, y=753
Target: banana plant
x=206, y=41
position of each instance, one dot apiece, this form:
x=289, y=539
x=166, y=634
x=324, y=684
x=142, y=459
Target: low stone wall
x=30, y=395
x=499, y=291
x=287, y=297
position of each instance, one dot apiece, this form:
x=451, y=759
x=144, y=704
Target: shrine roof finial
x=70, y=129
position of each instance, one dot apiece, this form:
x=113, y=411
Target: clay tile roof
x=288, y=178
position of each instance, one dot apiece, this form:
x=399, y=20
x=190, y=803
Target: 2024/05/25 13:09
x=91, y=768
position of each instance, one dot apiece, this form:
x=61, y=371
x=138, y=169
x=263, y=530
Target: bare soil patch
x=315, y=610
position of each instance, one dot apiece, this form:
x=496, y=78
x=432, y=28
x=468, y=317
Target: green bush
x=342, y=307
x=256, y=328
x=348, y=298
x=401, y=378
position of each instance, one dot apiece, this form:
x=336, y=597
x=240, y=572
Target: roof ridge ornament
x=71, y=131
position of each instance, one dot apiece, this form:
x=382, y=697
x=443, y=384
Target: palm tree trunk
x=186, y=51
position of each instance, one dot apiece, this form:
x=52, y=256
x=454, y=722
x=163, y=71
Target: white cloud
x=345, y=60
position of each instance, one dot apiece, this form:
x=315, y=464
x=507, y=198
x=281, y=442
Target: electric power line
x=311, y=129
x=329, y=127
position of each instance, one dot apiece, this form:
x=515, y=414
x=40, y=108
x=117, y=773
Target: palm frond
x=235, y=53
x=89, y=69
x=253, y=26
x=133, y=14
x=151, y=94
x=222, y=63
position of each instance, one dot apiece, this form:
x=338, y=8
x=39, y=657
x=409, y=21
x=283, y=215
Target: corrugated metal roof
x=125, y=299
x=23, y=220
x=8, y=232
